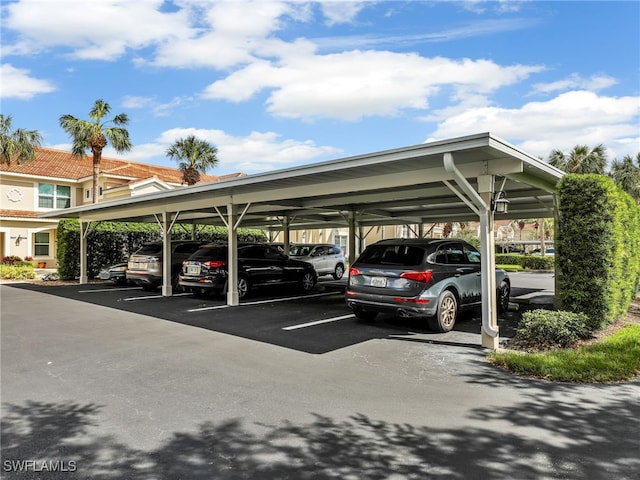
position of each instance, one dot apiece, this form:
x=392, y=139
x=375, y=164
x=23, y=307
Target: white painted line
x=147, y=297
x=201, y=309
x=285, y=299
x=258, y=302
x=318, y=322
x=108, y=289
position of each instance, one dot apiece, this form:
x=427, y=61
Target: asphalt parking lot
x=190, y=388
x=317, y=322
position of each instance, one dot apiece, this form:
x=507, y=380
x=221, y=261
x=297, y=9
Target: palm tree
x=19, y=144
x=95, y=135
x=580, y=160
x=626, y=174
x=194, y=156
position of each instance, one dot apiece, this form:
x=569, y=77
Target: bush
x=535, y=262
x=24, y=271
x=598, y=248
x=508, y=258
x=547, y=329
x=11, y=260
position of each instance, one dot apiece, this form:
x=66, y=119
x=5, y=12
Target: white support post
x=352, y=237
x=232, y=281
x=84, y=230
x=286, y=222
x=167, y=290
x=490, y=338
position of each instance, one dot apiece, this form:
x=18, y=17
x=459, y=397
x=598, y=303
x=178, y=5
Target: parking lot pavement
x=318, y=322
x=104, y=392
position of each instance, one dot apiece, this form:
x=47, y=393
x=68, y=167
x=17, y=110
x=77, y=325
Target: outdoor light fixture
x=500, y=204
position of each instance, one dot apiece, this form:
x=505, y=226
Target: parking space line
x=319, y=322
x=258, y=302
x=285, y=299
x=147, y=297
x=201, y=309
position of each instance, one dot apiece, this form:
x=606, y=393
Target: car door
x=320, y=259
x=454, y=267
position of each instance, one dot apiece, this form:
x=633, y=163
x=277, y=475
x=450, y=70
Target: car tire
x=364, y=315
x=243, y=287
x=338, y=272
x=503, y=296
x=446, y=315
x=307, y=282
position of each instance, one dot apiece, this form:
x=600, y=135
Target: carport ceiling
x=401, y=186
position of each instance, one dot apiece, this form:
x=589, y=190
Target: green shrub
x=598, y=248
x=113, y=242
x=508, y=258
x=547, y=329
x=24, y=271
x=535, y=262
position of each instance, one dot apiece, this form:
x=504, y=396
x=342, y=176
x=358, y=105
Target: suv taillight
x=354, y=271
x=214, y=263
x=422, y=277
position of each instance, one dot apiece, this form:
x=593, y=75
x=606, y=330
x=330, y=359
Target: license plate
x=193, y=269
x=140, y=266
x=378, y=281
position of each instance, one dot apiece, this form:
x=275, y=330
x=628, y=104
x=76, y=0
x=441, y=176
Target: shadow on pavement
x=581, y=440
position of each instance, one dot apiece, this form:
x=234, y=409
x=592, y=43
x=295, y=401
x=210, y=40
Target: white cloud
x=16, y=83
x=253, y=153
x=355, y=84
x=575, y=81
x=341, y=12
x=99, y=29
x=572, y=118
x=158, y=109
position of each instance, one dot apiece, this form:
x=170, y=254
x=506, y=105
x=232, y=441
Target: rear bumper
x=400, y=308
x=206, y=283
x=143, y=278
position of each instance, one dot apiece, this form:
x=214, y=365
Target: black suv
x=432, y=278
x=258, y=265
x=145, y=265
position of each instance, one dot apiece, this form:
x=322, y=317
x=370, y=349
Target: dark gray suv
x=432, y=278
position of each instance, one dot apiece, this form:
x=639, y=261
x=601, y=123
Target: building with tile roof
x=56, y=179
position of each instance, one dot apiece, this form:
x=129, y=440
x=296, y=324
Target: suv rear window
x=210, y=253
x=398, y=255
x=149, y=249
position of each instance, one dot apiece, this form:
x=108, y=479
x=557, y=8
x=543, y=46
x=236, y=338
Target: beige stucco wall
x=17, y=194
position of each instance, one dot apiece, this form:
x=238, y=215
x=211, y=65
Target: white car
x=327, y=259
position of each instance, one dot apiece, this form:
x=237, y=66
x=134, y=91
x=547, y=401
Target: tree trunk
x=97, y=156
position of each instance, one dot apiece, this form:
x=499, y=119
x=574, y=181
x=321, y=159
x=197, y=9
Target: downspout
x=488, y=276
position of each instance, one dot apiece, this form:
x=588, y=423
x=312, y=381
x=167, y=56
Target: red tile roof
x=50, y=162
x=18, y=213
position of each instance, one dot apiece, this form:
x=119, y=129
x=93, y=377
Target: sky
x=280, y=84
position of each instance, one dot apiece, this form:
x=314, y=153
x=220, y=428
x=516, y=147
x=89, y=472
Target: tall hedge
x=113, y=242
x=597, y=248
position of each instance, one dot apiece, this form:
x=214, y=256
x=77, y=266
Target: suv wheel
x=243, y=286
x=338, y=272
x=446, y=314
x=503, y=296
x=307, y=281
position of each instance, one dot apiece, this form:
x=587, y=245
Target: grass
x=614, y=359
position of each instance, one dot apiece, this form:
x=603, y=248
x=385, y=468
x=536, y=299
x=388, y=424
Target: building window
x=54, y=196
x=340, y=240
x=41, y=244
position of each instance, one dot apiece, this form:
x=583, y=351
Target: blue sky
x=281, y=84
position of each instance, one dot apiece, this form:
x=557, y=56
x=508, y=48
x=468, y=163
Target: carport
x=460, y=179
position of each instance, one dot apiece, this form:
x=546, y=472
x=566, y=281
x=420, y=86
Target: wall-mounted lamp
x=19, y=239
x=499, y=203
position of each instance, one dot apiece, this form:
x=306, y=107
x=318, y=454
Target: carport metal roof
x=402, y=186
x=444, y=181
